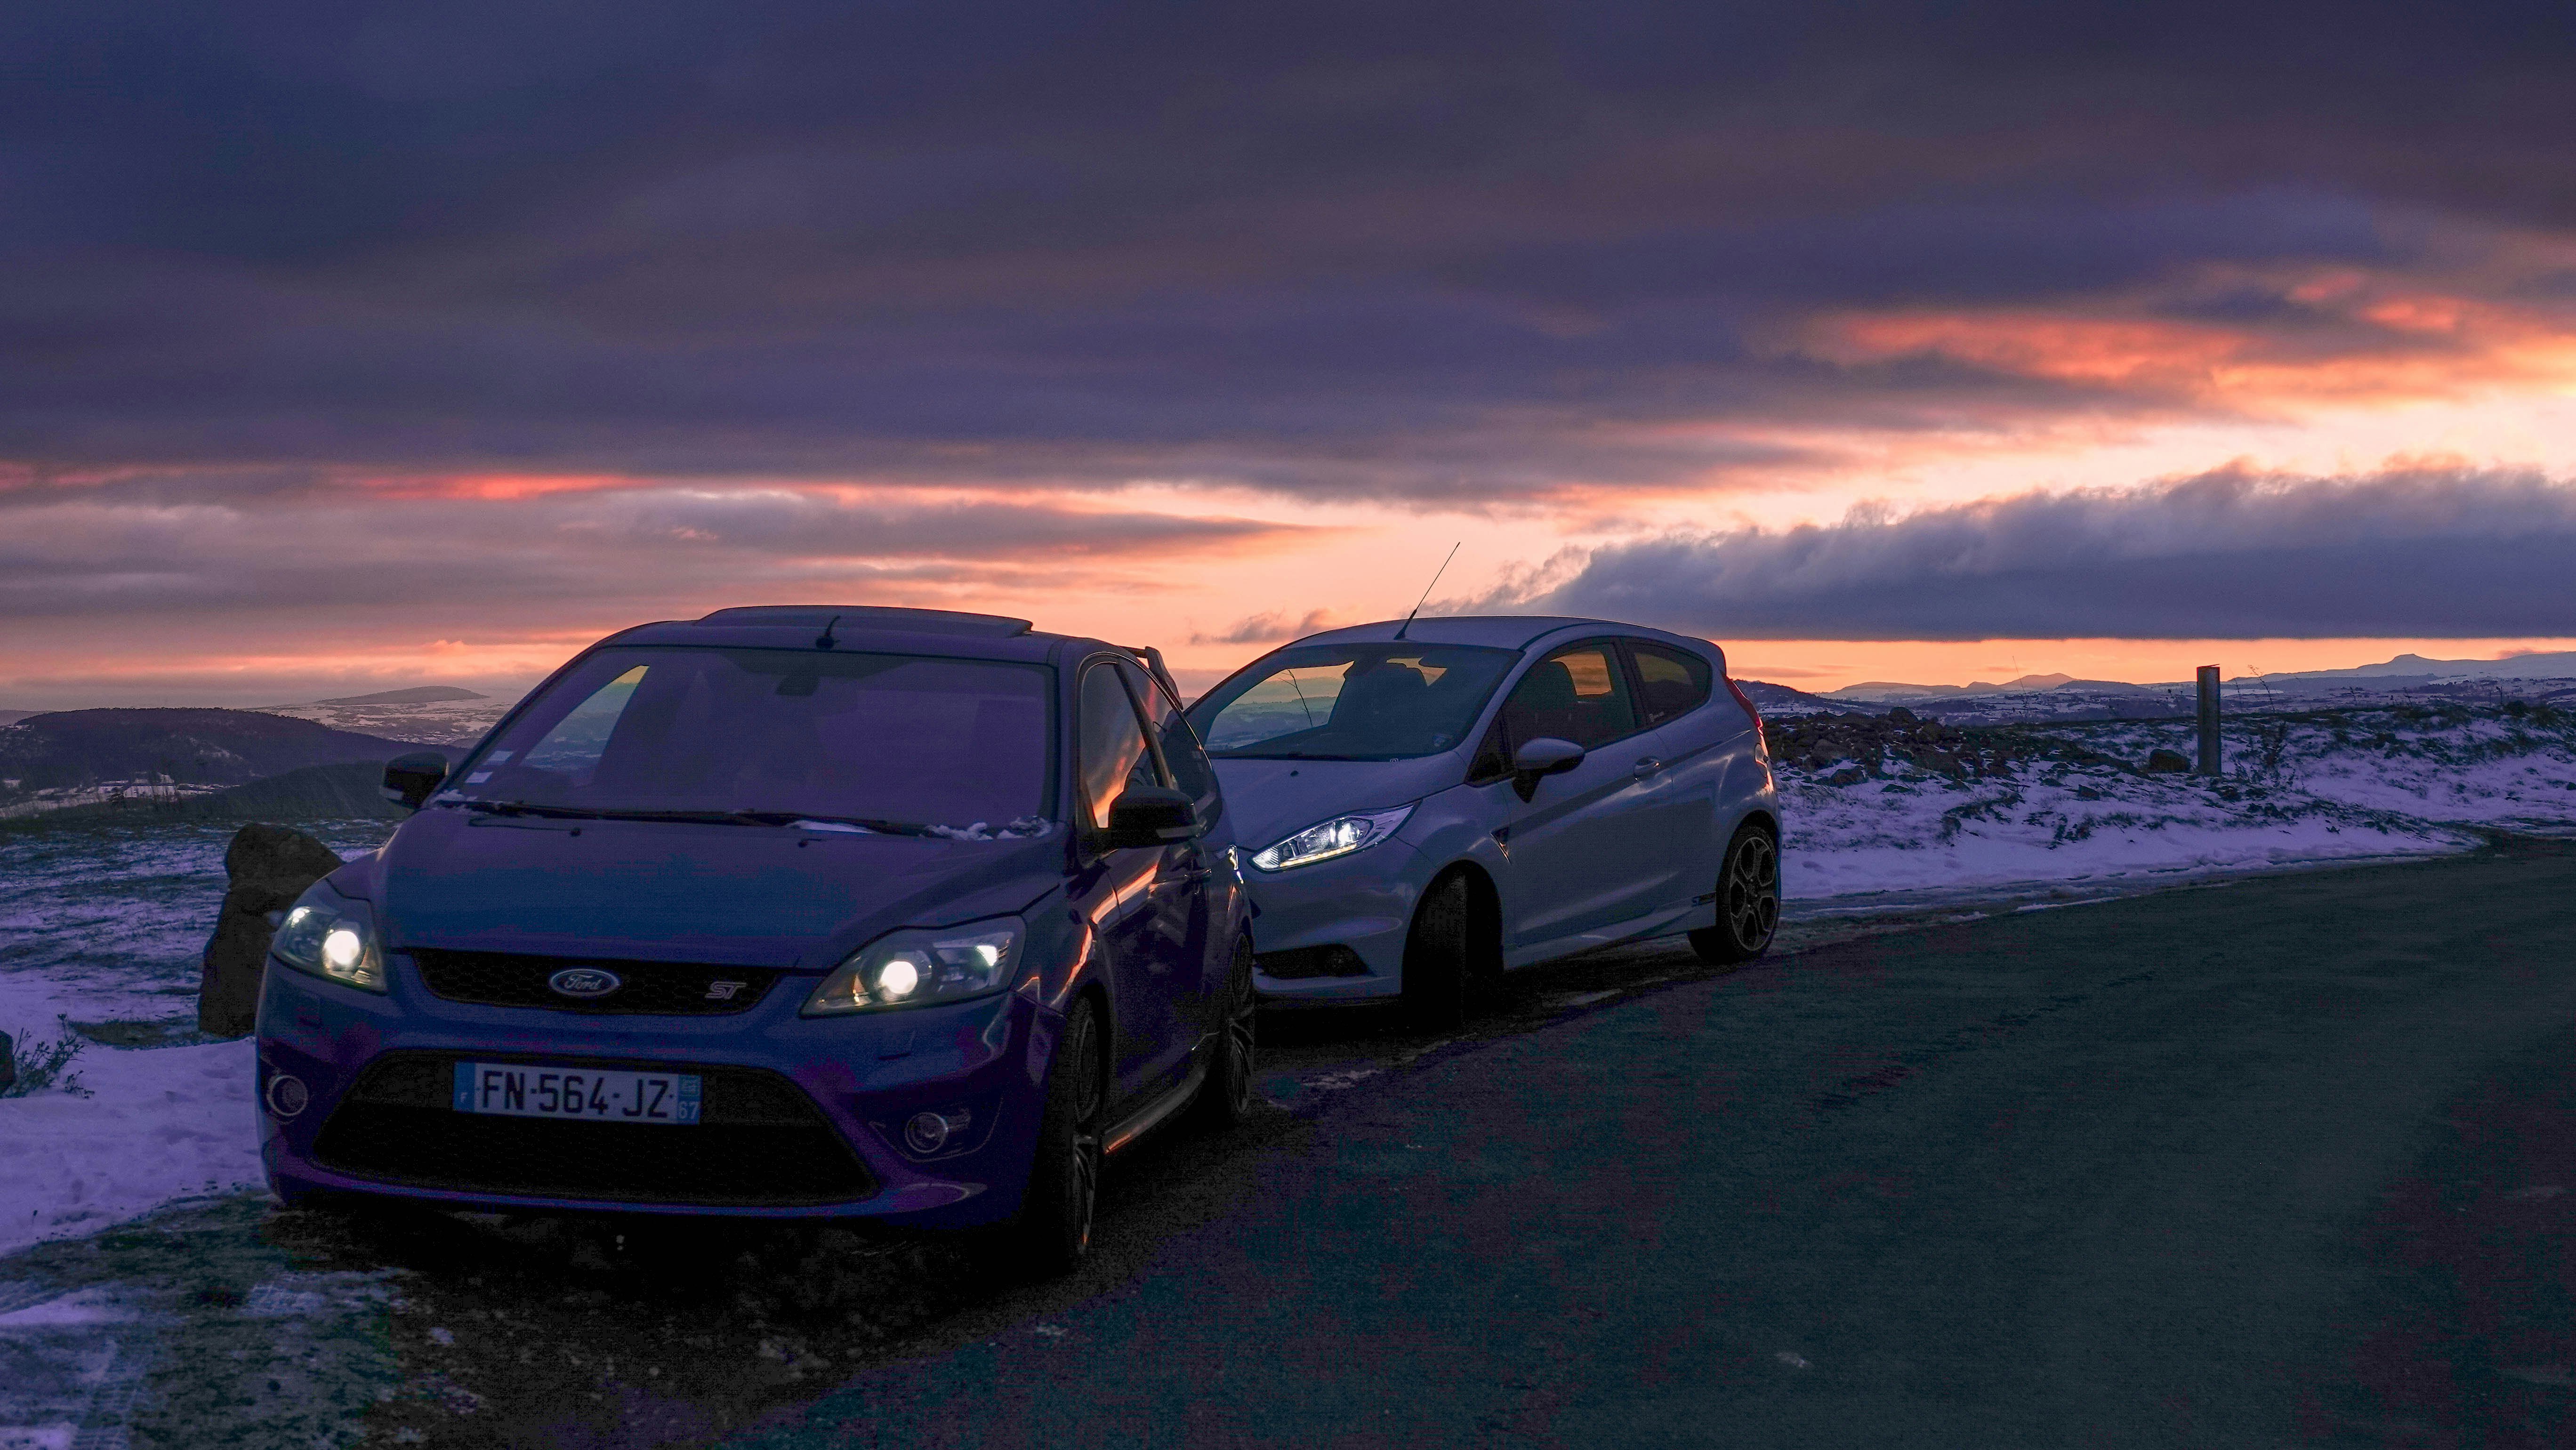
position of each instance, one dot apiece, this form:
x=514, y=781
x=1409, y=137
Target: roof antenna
x=825, y=640
x=1426, y=590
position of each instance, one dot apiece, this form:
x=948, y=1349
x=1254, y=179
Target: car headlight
x=918, y=968
x=330, y=935
x=1325, y=840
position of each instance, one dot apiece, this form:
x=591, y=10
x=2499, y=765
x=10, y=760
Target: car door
x=1680, y=767
x=1190, y=888
x=1137, y=910
x=1574, y=858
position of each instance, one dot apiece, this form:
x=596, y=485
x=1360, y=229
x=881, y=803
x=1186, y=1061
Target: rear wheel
x=1748, y=900
x=1225, y=1097
x=1053, y=1230
x=1440, y=969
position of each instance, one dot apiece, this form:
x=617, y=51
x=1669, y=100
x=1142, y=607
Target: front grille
x=759, y=1143
x=503, y=979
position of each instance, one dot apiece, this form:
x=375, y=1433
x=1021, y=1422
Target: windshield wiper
x=698, y=818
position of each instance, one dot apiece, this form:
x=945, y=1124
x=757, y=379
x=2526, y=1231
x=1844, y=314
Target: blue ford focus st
x=900, y=915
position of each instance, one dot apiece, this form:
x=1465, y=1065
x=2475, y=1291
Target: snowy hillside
x=1878, y=806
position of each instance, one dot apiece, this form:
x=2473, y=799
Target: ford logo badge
x=584, y=982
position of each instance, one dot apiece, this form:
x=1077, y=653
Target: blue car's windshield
x=1381, y=701
x=902, y=740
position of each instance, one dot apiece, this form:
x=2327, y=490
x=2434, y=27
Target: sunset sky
x=356, y=346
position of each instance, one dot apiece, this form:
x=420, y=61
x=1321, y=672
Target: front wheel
x=1225, y=1096
x=1440, y=970
x=1748, y=900
x=1053, y=1230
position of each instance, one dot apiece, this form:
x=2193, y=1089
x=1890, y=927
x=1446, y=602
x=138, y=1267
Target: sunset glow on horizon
x=2031, y=354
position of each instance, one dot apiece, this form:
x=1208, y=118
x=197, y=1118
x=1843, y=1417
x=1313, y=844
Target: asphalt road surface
x=2286, y=1161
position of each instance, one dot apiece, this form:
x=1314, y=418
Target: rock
x=8, y=1063
x=270, y=866
x=1902, y=716
x=2164, y=761
x=1848, y=775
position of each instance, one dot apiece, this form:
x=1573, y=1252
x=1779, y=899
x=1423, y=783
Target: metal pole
x=2209, y=720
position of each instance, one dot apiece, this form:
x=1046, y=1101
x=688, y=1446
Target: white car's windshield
x=1382, y=701
x=891, y=741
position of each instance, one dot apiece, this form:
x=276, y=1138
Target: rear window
x=1670, y=682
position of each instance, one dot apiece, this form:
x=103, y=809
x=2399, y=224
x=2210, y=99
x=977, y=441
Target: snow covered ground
x=104, y=927
x=2301, y=789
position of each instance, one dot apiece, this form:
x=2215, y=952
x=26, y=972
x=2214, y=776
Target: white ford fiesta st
x=1426, y=804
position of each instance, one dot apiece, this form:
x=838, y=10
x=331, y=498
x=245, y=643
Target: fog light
x=287, y=1095
x=927, y=1133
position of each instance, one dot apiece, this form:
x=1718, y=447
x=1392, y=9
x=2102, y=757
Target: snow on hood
x=1270, y=799
x=742, y=895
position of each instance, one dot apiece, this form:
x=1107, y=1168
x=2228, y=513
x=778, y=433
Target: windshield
x=894, y=740
x=1380, y=701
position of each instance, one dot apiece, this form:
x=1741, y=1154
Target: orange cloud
x=2350, y=340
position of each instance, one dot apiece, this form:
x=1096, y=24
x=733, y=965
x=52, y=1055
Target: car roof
x=860, y=628
x=1505, y=631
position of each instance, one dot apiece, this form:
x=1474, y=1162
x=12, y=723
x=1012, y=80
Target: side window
x=1579, y=693
x=574, y=746
x=1112, y=743
x=1179, y=744
x=1670, y=682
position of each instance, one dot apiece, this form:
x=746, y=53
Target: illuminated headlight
x=1339, y=836
x=917, y=968
x=330, y=935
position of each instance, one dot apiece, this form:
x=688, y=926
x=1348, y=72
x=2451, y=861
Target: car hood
x=1269, y=799
x=662, y=891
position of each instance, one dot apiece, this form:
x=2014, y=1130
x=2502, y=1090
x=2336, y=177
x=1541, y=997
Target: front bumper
x=1363, y=901
x=803, y=1118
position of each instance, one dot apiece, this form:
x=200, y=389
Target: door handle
x=1646, y=765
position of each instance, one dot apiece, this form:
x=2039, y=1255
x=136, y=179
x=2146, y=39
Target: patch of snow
x=89, y=1306
x=2304, y=789
x=159, y=1124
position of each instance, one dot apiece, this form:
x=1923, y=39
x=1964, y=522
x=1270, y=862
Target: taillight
x=1761, y=744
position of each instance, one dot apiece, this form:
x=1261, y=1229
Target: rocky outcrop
x=269, y=867
x=2164, y=762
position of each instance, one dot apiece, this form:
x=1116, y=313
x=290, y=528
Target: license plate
x=519, y=1091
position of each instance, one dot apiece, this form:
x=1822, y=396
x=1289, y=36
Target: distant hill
x=70, y=750
x=423, y=714
x=1773, y=699
x=2561, y=665
x=417, y=695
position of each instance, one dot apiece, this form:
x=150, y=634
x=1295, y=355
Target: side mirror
x=409, y=779
x=1544, y=756
x=1150, y=815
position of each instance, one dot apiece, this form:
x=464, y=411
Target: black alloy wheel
x=1748, y=900
x=1054, y=1224
x=1225, y=1097
x=1439, y=966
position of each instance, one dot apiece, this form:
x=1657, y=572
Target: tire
x=1052, y=1233
x=1439, y=966
x=1748, y=900
x=1225, y=1096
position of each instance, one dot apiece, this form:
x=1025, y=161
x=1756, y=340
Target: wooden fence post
x=2209, y=721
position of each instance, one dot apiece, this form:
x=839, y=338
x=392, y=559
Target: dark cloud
x=2228, y=555
x=1436, y=251
x=517, y=563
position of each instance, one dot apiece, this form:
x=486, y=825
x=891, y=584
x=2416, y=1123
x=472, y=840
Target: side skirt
x=1138, y=1123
